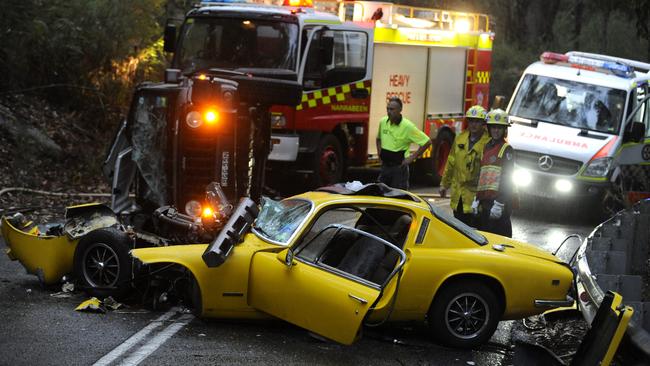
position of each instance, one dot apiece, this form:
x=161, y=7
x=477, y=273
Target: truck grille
x=562, y=166
x=198, y=163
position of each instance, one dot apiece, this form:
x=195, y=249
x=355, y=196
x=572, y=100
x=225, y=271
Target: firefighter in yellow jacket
x=463, y=164
x=495, y=190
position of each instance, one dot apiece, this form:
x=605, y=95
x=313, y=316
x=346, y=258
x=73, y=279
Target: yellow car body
x=50, y=257
x=438, y=259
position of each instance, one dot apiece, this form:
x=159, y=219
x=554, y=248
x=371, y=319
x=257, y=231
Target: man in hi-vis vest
x=495, y=191
x=395, y=136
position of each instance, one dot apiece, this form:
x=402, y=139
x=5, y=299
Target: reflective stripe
x=490, y=178
x=330, y=95
x=503, y=150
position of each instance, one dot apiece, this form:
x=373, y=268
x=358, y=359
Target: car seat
x=398, y=231
x=363, y=257
x=337, y=248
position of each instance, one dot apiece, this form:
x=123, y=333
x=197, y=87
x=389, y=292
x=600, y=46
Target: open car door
x=327, y=284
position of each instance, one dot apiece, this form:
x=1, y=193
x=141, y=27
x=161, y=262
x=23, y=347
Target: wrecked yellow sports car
x=334, y=259
x=92, y=245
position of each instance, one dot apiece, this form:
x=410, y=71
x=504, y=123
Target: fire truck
x=438, y=62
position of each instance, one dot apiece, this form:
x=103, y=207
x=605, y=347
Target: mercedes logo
x=545, y=163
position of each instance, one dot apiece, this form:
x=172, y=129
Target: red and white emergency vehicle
x=581, y=129
x=438, y=62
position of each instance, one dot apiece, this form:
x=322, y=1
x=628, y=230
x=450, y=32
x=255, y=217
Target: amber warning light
x=207, y=212
x=211, y=116
x=301, y=3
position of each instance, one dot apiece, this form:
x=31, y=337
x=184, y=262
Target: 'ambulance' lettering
x=557, y=140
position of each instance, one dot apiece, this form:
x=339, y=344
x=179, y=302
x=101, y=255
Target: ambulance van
x=580, y=130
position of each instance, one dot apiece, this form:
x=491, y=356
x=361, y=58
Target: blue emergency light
x=616, y=68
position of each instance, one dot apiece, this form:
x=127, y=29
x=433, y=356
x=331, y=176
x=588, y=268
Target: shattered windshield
x=231, y=43
x=149, y=139
x=279, y=220
x=569, y=103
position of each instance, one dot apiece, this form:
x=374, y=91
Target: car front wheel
x=464, y=314
x=101, y=262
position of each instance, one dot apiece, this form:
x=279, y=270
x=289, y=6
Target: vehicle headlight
x=598, y=167
x=194, y=119
x=278, y=120
x=563, y=185
x=193, y=208
x=522, y=177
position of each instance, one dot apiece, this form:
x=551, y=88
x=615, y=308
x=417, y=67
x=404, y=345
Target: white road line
x=134, y=339
x=157, y=341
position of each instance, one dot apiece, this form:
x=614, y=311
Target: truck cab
x=575, y=117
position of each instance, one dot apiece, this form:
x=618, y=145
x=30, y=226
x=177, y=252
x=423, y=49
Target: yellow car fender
x=48, y=257
x=224, y=289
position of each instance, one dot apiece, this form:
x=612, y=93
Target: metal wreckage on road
x=328, y=260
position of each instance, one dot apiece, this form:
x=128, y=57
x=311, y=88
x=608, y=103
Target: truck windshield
x=232, y=43
x=569, y=103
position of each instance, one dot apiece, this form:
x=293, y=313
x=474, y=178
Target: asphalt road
x=37, y=328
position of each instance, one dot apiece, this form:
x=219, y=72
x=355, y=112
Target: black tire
x=464, y=314
x=440, y=154
x=194, y=299
x=328, y=162
x=102, y=264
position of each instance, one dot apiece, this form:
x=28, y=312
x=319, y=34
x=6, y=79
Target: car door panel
x=321, y=301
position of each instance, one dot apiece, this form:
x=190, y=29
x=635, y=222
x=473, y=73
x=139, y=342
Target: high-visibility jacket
x=491, y=182
x=462, y=170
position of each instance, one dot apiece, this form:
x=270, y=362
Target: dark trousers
x=395, y=176
x=500, y=226
x=467, y=218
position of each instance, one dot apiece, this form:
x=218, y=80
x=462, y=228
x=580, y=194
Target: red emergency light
x=300, y=3
x=552, y=57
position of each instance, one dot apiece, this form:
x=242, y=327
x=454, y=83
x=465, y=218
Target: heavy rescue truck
x=580, y=129
x=436, y=61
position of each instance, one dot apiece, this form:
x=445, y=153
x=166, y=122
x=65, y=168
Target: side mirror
x=326, y=49
x=499, y=102
x=634, y=132
x=170, y=38
x=286, y=258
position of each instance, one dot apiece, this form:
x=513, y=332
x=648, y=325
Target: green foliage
x=70, y=48
x=91, y=53
x=508, y=62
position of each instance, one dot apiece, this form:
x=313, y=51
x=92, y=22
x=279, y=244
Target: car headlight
x=522, y=177
x=193, y=208
x=598, y=167
x=278, y=120
x=563, y=185
x=194, y=119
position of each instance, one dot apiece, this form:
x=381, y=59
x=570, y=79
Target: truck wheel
x=101, y=262
x=328, y=167
x=442, y=147
x=464, y=314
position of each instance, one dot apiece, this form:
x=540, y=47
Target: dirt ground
x=44, y=149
